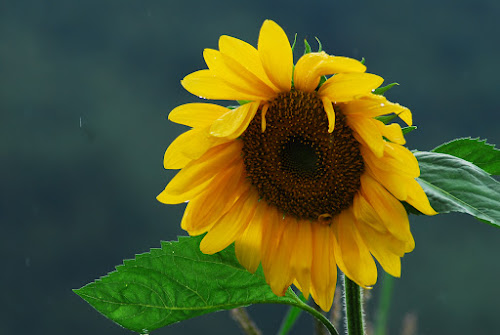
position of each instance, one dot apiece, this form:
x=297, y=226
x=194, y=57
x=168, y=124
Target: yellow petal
x=330, y=113
x=418, y=199
x=391, y=131
x=235, y=122
x=364, y=211
x=197, y=114
x=246, y=55
x=375, y=105
x=276, y=249
x=312, y=66
x=367, y=133
x=248, y=245
x=378, y=244
x=390, y=210
x=231, y=225
x=193, y=178
x=396, y=158
x=345, y=86
x=394, y=182
x=324, y=268
x=205, y=84
x=276, y=55
x=236, y=75
x=355, y=255
x=301, y=258
x=219, y=196
x=189, y=146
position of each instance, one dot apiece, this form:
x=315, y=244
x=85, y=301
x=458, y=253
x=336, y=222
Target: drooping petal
x=345, y=86
x=194, y=177
x=312, y=66
x=330, y=113
x=355, y=255
x=236, y=75
x=301, y=258
x=205, y=84
x=378, y=244
x=276, y=249
x=189, y=146
x=225, y=188
x=197, y=115
x=362, y=210
x=389, y=209
x=324, y=267
x=276, y=55
x=235, y=121
x=373, y=105
x=246, y=55
x=231, y=225
x=248, y=244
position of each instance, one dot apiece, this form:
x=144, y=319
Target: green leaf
x=455, y=185
x=383, y=89
x=175, y=283
x=474, y=150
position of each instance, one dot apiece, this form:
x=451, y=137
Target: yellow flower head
x=302, y=178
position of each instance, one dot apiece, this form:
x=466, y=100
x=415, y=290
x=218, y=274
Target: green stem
x=318, y=315
x=384, y=304
x=353, y=307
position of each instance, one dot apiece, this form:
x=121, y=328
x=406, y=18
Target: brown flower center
x=296, y=164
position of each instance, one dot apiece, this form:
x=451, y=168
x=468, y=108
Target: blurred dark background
x=85, y=89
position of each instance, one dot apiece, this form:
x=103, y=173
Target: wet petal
x=246, y=55
x=236, y=75
x=276, y=55
x=346, y=86
x=312, y=66
x=205, y=84
x=235, y=122
x=193, y=178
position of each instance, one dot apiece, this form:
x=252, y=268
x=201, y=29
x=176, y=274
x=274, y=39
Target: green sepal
x=294, y=42
x=307, y=47
x=383, y=89
x=409, y=129
x=363, y=60
x=386, y=118
x=320, y=46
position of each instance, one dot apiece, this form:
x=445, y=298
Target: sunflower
x=302, y=176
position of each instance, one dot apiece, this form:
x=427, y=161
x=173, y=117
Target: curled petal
x=312, y=66
x=330, y=113
x=346, y=86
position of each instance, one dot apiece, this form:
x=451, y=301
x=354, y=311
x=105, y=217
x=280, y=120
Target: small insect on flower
x=303, y=178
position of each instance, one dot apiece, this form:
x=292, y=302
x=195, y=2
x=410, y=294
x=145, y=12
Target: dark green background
x=85, y=89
